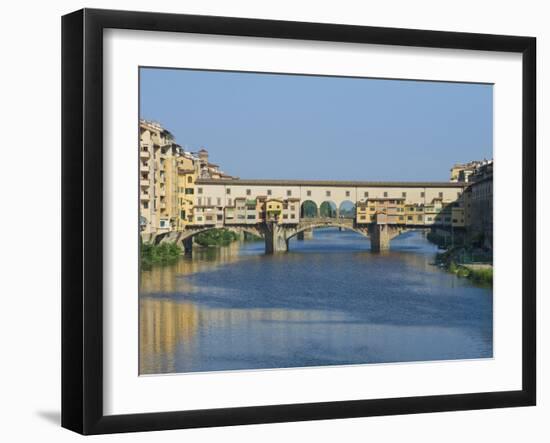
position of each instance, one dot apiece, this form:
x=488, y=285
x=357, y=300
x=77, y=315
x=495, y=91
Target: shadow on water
x=328, y=300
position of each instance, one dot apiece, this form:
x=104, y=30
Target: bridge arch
x=158, y=238
x=327, y=223
x=189, y=234
x=328, y=209
x=309, y=209
x=347, y=209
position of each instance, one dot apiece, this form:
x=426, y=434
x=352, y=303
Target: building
x=463, y=172
x=206, y=169
x=479, y=206
x=158, y=178
x=187, y=175
x=362, y=214
x=291, y=211
x=167, y=177
x=382, y=210
x=273, y=209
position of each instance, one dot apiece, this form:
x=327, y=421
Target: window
x=288, y=192
x=219, y=217
x=419, y=218
x=309, y=193
x=219, y=201
x=164, y=223
x=199, y=201
x=228, y=202
x=189, y=179
x=199, y=190
x=385, y=194
x=228, y=191
x=366, y=194
x=328, y=193
x=199, y=218
x=441, y=195
x=189, y=191
x=422, y=194
x=347, y=193
x=401, y=217
x=248, y=192
x=409, y=217
x=285, y=216
x=251, y=217
x=145, y=205
x=363, y=217
x=208, y=218
x=403, y=194
x=292, y=216
x=269, y=192
x=209, y=200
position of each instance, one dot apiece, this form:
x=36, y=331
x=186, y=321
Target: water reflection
x=327, y=301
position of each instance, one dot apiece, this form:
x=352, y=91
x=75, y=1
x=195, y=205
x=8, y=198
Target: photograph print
x=298, y=221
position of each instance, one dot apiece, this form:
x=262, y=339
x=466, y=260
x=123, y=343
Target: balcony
x=144, y=154
x=143, y=167
x=144, y=196
x=144, y=182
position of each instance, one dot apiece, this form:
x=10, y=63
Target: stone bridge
x=277, y=236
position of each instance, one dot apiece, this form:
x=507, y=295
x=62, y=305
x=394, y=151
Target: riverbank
x=455, y=260
x=163, y=254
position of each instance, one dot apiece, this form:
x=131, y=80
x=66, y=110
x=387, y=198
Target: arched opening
x=347, y=209
x=309, y=209
x=328, y=209
x=158, y=238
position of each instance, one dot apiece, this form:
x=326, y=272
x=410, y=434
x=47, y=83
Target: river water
x=328, y=301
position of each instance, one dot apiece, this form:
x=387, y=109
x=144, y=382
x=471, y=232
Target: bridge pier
x=379, y=237
x=188, y=245
x=275, y=239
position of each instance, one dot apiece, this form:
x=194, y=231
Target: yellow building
x=273, y=209
x=414, y=214
x=386, y=210
x=362, y=213
x=187, y=175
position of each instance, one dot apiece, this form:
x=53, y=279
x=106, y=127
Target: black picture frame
x=82, y=218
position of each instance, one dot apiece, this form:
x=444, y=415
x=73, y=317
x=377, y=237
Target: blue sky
x=308, y=127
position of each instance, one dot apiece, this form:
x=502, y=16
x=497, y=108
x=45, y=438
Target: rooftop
x=330, y=183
